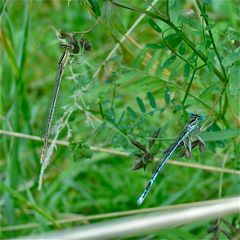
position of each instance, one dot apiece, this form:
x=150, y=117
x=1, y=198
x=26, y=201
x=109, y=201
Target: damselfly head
x=196, y=116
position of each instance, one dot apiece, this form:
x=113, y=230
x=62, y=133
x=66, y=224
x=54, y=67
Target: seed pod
x=75, y=45
x=85, y=44
x=154, y=136
x=201, y=146
x=139, y=145
x=187, y=154
x=63, y=35
x=139, y=164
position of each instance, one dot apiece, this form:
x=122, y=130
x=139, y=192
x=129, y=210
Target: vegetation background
x=126, y=87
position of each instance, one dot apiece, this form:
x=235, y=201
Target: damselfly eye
x=201, y=117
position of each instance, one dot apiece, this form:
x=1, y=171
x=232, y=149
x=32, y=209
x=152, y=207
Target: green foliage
x=152, y=100
x=141, y=105
x=95, y=7
x=80, y=150
x=182, y=57
x=154, y=25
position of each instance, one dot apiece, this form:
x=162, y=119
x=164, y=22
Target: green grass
x=162, y=71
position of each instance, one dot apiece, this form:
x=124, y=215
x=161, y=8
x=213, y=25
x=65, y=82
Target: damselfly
x=191, y=129
x=71, y=46
x=67, y=49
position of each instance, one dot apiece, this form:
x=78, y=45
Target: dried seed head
x=139, y=164
x=85, y=44
x=154, y=136
x=75, y=45
x=63, y=35
x=201, y=146
x=187, y=154
x=138, y=145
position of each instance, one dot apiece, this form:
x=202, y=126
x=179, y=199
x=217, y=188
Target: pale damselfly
x=191, y=128
x=69, y=48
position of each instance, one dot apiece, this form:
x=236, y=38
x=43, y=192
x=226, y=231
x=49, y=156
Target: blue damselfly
x=191, y=129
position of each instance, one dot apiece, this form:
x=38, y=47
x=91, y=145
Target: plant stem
x=188, y=88
x=211, y=37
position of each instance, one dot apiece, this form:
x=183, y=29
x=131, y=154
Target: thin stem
x=167, y=9
x=154, y=8
x=88, y=30
x=211, y=37
x=189, y=86
x=165, y=42
x=124, y=154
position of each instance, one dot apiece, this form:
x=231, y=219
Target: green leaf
x=154, y=25
x=191, y=22
x=209, y=27
x=127, y=76
x=152, y=61
x=182, y=48
x=207, y=2
x=132, y=112
x=208, y=43
x=113, y=19
x=174, y=9
x=154, y=45
x=80, y=150
x=169, y=61
x=167, y=95
x=171, y=3
x=211, y=56
x=173, y=40
x=95, y=7
x=231, y=58
x=141, y=104
x=210, y=66
x=234, y=83
x=151, y=100
x=24, y=201
x=139, y=59
x=220, y=135
x=186, y=71
x=234, y=35
x=200, y=46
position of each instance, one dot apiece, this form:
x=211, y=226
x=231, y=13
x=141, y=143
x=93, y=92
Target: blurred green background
x=138, y=89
